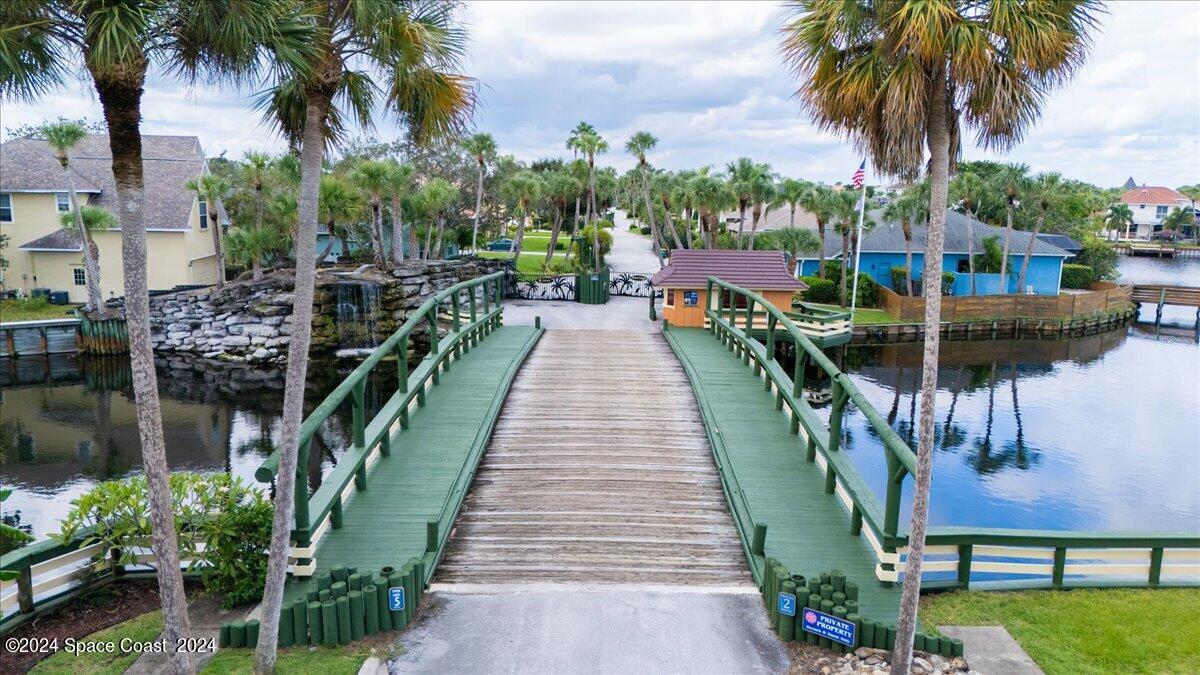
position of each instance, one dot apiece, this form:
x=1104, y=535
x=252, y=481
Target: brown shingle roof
x=58, y=240
x=753, y=270
x=1152, y=195
x=28, y=164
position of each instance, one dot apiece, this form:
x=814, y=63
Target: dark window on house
x=5, y=208
x=670, y=297
x=63, y=201
x=203, y=215
x=1160, y=211
x=80, y=276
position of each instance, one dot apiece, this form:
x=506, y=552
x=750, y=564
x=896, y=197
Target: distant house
x=33, y=197
x=685, y=281
x=774, y=219
x=1150, y=204
x=1130, y=183
x=883, y=249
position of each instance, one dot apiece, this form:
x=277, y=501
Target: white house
x=1150, y=205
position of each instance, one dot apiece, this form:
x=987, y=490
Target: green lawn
x=530, y=262
x=863, y=316
x=1085, y=631
x=29, y=309
x=144, y=628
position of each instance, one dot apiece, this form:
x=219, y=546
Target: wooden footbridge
x=686, y=457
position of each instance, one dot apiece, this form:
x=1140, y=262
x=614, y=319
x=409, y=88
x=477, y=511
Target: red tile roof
x=1152, y=195
x=752, y=270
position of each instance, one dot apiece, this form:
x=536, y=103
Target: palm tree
x=249, y=245
x=372, y=177
x=1045, y=191
x=340, y=202
x=524, y=189
x=399, y=184
x=1119, y=217
x=559, y=188
x=1014, y=181
x=579, y=171
x=438, y=195
x=256, y=173
x=903, y=209
x=763, y=194
x=483, y=148
x=116, y=43
x=414, y=47
x=901, y=79
x=1179, y=218
x=62, y=137
x=663, y=185
x=970, y=191
x=842, y=207
x=709, y=195
x=744, y=178
x=638, y=145
x=816, y=200
x=591, y=144
x=791, y=191
x=795, y=241
x=85, y=220
x=211, y=188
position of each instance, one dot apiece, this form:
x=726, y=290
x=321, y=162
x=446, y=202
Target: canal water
x=1096, y=433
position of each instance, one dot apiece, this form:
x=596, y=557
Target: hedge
x=1077, y=276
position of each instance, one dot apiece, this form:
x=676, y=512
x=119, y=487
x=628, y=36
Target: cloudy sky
x=706, y=79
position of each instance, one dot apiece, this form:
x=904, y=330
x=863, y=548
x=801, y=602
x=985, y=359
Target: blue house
x=883, y=249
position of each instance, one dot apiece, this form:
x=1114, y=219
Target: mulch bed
x=105, y=606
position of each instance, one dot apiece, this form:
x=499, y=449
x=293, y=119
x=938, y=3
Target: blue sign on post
x=787, y=604
x=828, y=626
x=396, y=598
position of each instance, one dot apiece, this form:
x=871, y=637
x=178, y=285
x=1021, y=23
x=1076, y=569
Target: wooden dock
x=599, y=471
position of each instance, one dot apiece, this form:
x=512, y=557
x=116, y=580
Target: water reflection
x=68, y=422
x=1096, y=433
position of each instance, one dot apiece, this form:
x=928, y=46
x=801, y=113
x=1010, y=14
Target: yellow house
x=41, y=254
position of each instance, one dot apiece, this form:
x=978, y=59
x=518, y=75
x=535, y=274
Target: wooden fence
x=1103, y=296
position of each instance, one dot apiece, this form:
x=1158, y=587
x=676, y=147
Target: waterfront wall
x=252, y=320
x=1103, y=296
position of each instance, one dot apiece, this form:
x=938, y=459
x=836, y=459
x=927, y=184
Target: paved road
x=631, y=252
x=591, y=629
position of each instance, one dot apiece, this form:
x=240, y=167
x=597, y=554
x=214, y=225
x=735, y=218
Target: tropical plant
x=211, y=189
x=1045, y=191
x=817, y=200
x=62, y=137
x=843, y=210
x=558, y=188
x=1119, y=217
x=437, y=196
x=116, y=44
x=901, y=79
x=414, y=47
x=764, y=196
x=905, y=209
x=708, y=195
x=791, y=191
x=1179, y=218
x=399, y=184
x=483, y=148
x=236, y=540
x=746, y=180
x=256, y=175
x=969, y=190
x=591, y=144
x=1014, y=182
x=596, y=234
x=794, y=241
x=990, y=260
x=250, y=244
x=524, y=188
x=371, y=177
x=638, y=145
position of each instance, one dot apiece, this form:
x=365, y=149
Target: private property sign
x=828, y=626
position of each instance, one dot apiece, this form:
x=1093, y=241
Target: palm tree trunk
x=519, y=241
x=437, y=244
x=91, y=254
x=328, y=246
x=397, y=231
x=121, y=102
x=255, y=268
x=971, y=252
x=670, y=225
x=938, y=140
x=311, y=156
x=414, y=242
x=845, y=263
x=554, y=233
x=821, y=260
x=907, y=227
x=478, y=208
x=1037, y=227
x=377, y=233
x=592, y=215
x=1008, y=229
x=741, y=226
x=428, y=252
x=214, y=225
x=792, y=217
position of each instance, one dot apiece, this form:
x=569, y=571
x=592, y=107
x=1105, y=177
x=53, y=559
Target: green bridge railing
x=1016, y=558
x=472, y=309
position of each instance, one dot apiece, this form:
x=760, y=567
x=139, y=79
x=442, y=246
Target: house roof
x=754, y=270
x=1149, y=194
x=888, y=236
x=1062, y=241
x=29, y=165
x=58, y=240
x=775, y=219
x=1130, y=183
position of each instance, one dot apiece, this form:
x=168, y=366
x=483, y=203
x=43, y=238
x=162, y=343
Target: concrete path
x=991, y=650
x=206, y=616
x=620, y=313
x=631, y=252
x=566, y=629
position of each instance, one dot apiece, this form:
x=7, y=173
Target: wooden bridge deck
x=599, y=471
x=807, y=530
x=431, y=462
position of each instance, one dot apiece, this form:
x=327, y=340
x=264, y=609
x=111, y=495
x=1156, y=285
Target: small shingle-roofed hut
x=685, y=281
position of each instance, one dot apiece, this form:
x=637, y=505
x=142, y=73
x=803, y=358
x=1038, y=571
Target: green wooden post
x=402, y=376
x=759, y=539
x=856, y=519
x=434, y=347
x=965, y=551
x=1060, y=563
x=431, y=536
x=810, y=453
x=358, y=411
x=335, y=514
x=474, y=340
x=837, y=407
x=891, y=511
x=771, y=322
x=1156, y=561
x=455, y=325
x=300, y=495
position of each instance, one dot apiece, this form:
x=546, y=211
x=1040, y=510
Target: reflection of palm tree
x=891, y=418
x=983, y=463
x=1022, y=459
x=952, y=434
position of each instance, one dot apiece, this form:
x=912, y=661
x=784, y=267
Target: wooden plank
x=599, y=471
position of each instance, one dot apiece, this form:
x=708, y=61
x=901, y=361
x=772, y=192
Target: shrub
x=898, y=274
x=645, y=229
x=1100, y=256
x=238, y=539
x=820, y=290
x=583, y=247
x=868, y=290
x=1077, y=276
x=948, y=282
x=633, y=227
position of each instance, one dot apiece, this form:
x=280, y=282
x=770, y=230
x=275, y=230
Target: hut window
x=670, y=302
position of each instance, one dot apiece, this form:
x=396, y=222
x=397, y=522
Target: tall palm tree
x=969, y=190
x=483, y=148
x=250, y=244
x=662, y=186
x=591, y=144
x=638, y=145
x=559, y=188
x=842, y=207
x=438, y=195
x=256, y=174
x=399, y=185
x=578, y=169
x=764, y=195
x=413, y=47
x=372, y=177
x=901, y=78
x=709, y=195
x=1045, y=192
x=796, y=241
x=116, y=43
x=816, y=200
x=1014, y=181
x=63, y=137
x=211, y=189
x=1119, y=217
x=903, y=209
x=524, y=189
x=791, y=191
x=340, y=203
x=744, y=176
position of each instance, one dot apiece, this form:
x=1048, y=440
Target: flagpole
x=862, y=207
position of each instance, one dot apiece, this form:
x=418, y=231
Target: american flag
x=859, y=175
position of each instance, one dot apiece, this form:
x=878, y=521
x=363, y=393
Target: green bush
x=1100, y=256
x=583, y=247
x=634, y=227
x=820, y=290
x=645, y=229
x=1077, y=276
x=898, y=274
x=826, y=291
x=868, y=290
x=238, y=539
x=948, y=282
